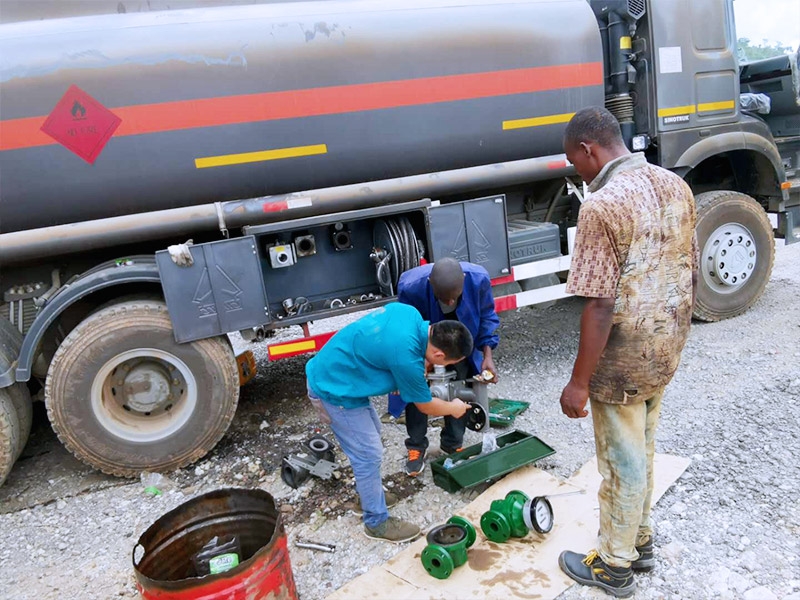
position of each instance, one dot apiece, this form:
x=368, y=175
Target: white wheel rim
x=143, y=395
x=729, y=258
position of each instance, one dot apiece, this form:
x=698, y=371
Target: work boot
x=589, y=569
x=416, y=462
x=391, y=500
x=393, y=530
x=646, y=560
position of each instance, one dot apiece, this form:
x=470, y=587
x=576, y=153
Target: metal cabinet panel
x=222, y=291
x=473, y=231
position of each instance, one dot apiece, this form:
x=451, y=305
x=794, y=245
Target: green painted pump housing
x=447, y=547
x=515, y=515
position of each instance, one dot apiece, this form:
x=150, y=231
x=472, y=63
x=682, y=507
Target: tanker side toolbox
x=220, y=290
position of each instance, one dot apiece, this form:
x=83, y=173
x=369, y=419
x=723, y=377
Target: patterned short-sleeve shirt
x=636, y=243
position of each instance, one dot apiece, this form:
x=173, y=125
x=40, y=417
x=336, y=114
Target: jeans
x=453, y=430
x=625, y=440
x=358, y=431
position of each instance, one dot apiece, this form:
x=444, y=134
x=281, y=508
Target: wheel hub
x=144, y=395
x=729, y=258
x=146, y=388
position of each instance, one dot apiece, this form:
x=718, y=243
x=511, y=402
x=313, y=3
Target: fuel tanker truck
x=170, y=176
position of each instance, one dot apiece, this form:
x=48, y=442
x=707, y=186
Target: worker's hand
x=458, y=408
x=573, y=400
x=488, y=365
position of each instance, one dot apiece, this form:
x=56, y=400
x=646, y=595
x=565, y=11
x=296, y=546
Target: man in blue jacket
x=389, y=349
x=449, y=290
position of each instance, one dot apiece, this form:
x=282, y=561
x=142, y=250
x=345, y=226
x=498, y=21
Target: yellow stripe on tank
x=261, y=156
x=537, y=121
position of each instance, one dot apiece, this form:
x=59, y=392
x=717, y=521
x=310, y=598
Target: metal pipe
x=35, y=244
x=316, y=546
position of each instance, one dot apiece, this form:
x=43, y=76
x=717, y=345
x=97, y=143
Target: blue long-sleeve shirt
x=475, y=310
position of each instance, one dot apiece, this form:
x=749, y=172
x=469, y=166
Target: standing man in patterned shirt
x=635, y=262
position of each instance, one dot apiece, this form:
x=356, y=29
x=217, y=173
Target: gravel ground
x=729, y=528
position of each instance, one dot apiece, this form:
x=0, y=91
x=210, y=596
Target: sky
x=773, y=20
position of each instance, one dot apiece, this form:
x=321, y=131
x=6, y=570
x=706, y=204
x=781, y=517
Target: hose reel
x=396, y=249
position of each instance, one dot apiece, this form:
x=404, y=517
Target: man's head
x=448, y=343
x=592, y=139
x=447, y=283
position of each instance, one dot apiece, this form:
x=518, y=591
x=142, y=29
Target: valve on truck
x=447, y=547
x=473, y=391
x=515, y=515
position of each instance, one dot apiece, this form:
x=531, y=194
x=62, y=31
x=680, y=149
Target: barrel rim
x=242, y=567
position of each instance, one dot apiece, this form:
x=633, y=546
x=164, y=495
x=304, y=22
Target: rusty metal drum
x=163, y=557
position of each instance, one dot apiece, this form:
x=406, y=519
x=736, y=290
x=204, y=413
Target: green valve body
x=447, y=547
x=506, y=517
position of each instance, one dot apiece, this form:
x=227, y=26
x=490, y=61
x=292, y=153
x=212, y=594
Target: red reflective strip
x=268, y=207
x=251, y=108
x=502, y=280
x=505, y=303
x=319, y=341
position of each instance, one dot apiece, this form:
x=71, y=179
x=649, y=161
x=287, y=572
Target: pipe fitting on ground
x=319, y=460
x=515, y=515
x=447, y=547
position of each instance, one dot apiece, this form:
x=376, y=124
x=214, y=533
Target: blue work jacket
x=475, y=310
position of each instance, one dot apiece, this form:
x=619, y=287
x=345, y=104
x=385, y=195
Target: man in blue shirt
x=462, y=292
x=389, y=349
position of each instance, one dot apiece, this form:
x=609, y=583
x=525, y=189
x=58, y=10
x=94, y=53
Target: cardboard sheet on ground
x=520, y=568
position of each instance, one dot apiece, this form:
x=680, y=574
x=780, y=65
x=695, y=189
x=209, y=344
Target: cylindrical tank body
x=160, y=110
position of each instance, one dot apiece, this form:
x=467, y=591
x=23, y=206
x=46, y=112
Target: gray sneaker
x=391, y=500
x=393, y=530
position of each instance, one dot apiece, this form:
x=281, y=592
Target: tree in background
x=748, y=52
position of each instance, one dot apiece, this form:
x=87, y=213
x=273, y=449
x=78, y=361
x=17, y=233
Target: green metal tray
x=515, y=449
x=502, y=412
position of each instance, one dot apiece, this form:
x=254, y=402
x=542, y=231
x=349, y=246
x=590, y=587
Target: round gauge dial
x=541, y=512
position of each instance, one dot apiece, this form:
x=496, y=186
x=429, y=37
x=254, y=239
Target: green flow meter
x=447, y=547
x=515, y=515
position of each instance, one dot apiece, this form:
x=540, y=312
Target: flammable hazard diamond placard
x=81, y=124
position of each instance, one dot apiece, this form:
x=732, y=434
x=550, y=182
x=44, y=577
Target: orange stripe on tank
x=252, y=108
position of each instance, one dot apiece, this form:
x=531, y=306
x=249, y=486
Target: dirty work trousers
x=625, y=440
x=453, y=430
x=358, y=431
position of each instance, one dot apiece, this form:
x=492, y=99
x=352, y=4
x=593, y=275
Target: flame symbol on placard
x=78, y=110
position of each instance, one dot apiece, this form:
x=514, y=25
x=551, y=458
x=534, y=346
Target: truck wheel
x=125, y=397
x=736, y=254
x=21, y=401
x=10, y=434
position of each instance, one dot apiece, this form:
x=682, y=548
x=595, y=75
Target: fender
x=134, y=270
x=735, y=140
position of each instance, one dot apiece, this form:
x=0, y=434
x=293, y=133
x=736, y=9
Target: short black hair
x=452, y=338
x=593, y=125
x=447, y=278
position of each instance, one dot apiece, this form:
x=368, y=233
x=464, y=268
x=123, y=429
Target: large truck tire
x=125, y=397
x=21, y=401
x=737, y=252
x=10, y=434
